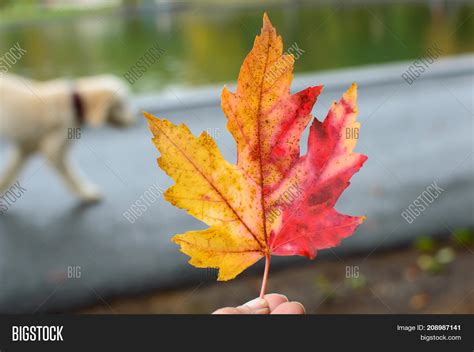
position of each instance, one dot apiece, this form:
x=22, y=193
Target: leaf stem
x=265, y=275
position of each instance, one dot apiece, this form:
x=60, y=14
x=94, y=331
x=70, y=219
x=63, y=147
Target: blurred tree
x=131, y=3
x=5, y=3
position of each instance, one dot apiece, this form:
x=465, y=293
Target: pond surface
x=208, y=45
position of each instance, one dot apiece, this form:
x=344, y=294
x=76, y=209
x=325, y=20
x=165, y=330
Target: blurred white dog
x=40, y=116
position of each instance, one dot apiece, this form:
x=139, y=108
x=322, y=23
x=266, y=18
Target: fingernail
x=258, y=305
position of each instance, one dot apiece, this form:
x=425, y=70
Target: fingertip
x=275, y=299
x=275, y=296
x=256, y=306
x=290, y=308
x=303, y=309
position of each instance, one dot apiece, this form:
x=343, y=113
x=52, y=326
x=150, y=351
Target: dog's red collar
x=78, y=107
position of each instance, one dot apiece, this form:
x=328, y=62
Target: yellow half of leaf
x=214, y=191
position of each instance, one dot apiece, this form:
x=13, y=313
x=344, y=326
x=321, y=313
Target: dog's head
x=106, y=100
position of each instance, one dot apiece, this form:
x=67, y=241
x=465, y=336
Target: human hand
x=272, y=303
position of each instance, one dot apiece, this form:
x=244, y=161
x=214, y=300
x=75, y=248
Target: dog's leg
x=71, y=176
x=57, y=155
x=11, y=173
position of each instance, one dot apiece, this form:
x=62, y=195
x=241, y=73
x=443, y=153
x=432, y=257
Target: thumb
x=256, y=306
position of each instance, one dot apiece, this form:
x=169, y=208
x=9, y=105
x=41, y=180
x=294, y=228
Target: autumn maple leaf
x=274, y=201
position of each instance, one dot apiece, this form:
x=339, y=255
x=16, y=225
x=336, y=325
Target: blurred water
x=207, y=44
